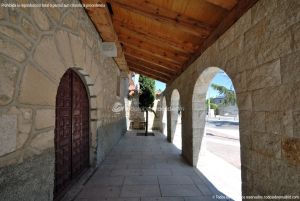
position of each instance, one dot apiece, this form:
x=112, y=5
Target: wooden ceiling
x=161, y=38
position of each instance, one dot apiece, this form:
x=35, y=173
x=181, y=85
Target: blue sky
x=159, y=85
x=221, y=78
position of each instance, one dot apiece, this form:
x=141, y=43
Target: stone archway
x=216, y=138
x=72, y=128
x=176, y=118
x=198, y=109
x=164, y=116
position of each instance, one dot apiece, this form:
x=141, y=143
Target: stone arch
x=199, y=110
x=174, y=108
x=82, y=145
x=164, y=116
x=86, y=79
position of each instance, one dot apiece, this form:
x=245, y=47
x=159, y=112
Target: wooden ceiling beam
x=159, y=70
x=227, y=4
x=153, y=47
x=153, y=39
x=151, y=62
x=153, y=54
x=241, y=7
x=191, y=42
x=140, y=62
x=151, y=70
x=161, y=60
x=153, y=76
x=166, y=16
x=102, y=21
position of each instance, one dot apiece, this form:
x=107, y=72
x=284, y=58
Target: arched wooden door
x=71, y=131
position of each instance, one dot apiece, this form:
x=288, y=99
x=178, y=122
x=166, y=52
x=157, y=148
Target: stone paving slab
x=180, y=190
x=146, y=169
x=175, y=180
x=135, y=180
x=140, y=191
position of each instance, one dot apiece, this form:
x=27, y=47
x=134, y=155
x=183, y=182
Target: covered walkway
x=146, y=169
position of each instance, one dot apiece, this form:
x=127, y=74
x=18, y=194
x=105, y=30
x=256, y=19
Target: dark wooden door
x=71, y=131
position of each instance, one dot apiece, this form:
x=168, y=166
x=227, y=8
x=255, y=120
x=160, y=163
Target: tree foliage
x=147, y=94
x=229, y=95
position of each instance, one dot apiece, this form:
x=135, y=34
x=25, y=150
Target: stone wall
x=260, y=53
x=37, y=45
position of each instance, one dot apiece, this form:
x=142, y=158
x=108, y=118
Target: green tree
x=146, y=97
x=229, y=94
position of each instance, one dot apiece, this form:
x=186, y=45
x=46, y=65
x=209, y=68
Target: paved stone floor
x=148, y=168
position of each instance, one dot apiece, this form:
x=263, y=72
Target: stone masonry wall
x=37, y=45
x=260, y=53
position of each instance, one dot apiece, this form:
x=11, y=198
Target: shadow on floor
x=146, y=169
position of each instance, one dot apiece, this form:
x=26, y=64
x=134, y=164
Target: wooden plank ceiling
x=161, y=38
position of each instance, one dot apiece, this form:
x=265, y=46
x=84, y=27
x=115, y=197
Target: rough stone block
x=47, y=57
x=35, y=81
x=54, y=13
x=288, y=93
x=267, y=143
x=296, y=36
x=274, y=122
x=15, y=35
x=70, y=22
x=63, y=45
x=296, y=124
x=226, y=38
x=255, y=35
x=78, y=50
x=44, y=118
x=291, y=150
x=259, y=121
x=8, y=133
x=262, y=9
x=24, y=123
x=274, y=48
x=243, y=24
x=8, y=77
x=290, y=70
x=287, y=123
x=240, y=82
x=244, y=101
x=29, y=29
x=247, y=60
x=11, y=50
x=266, y=75
x=266, y=99
x=43, y=141
x=2, y=13
x=235, y=48
x=41, y=19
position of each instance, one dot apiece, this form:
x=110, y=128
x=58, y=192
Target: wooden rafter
x=150, y=70
x=192, y=43
x=168, y=17
x=158, y=70
x=228, y=4
x=151, y=57
x=164, y=55
x=150, y=62
x=142, y=62
x=151, y=75
x=152, y=39
x=154, y=47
